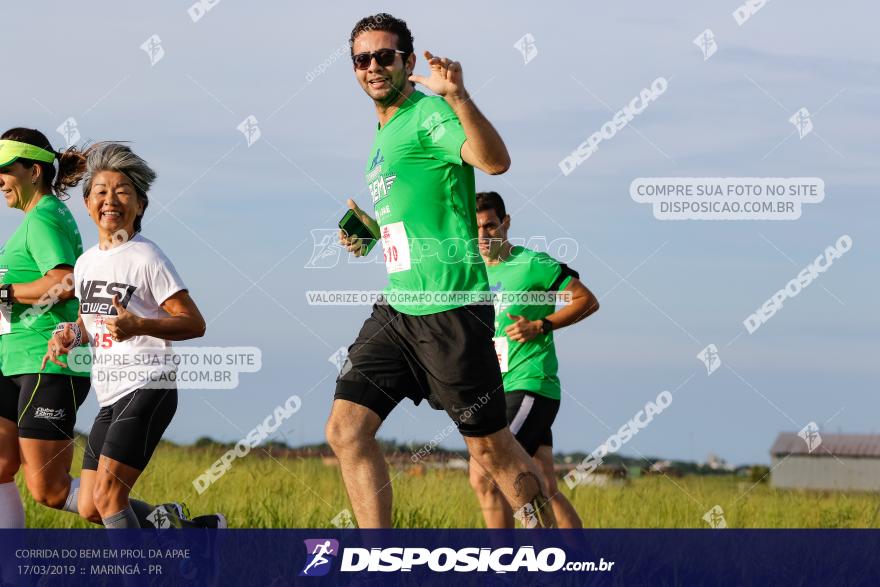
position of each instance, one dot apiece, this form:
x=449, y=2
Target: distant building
x=666, y=468
x=606, y=476
x=835, y=462
x=716, y=463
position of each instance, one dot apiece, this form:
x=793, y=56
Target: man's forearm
x=577, y=310
x=485, y=144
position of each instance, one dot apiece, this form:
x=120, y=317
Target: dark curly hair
x=384, y=22
x=71, y=162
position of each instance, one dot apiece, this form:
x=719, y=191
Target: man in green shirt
x=526, y=350
x=430, y=338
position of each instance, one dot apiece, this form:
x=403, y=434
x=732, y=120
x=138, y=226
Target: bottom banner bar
x=424, y=557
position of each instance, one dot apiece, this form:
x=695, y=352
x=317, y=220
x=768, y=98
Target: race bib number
x=101, y=338
x=395, y=244
x=5, y=320
x=501, y=346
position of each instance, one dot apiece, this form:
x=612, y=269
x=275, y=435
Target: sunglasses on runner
x=383, y=57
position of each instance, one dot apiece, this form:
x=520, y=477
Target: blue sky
x=238, y=215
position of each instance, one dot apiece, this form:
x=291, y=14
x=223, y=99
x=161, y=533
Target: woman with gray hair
x=132, y=304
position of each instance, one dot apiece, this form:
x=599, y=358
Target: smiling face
x=113, y=204
x=385, y=85
x=18, y=184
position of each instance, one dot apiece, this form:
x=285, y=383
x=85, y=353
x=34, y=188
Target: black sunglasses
x=384, y=57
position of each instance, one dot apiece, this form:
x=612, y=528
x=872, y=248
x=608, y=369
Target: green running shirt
x=529, y=366
x=425, y=202
x=46, y=238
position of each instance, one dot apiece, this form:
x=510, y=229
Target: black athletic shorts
x=43, y=405
x=530, y=416
x=129, y=430
x=447, y=358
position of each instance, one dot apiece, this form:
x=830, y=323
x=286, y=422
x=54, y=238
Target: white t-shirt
x=143, y=278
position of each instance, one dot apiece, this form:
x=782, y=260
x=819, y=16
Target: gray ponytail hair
x=120, y=158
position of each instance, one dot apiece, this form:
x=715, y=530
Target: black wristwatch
x=546, y=326
x=6, y=295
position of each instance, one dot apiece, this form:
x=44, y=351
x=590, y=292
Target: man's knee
x=480, y=482
x=348, y=430
x=493, y=450
x=339, y=439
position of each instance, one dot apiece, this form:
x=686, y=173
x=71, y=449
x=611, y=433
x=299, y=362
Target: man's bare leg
x=566, y=515
x=496, y=510
x=351, y=432
x=517, y=476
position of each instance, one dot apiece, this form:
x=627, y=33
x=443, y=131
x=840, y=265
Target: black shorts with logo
x=531, y=416
x=43, y=405
x=129, y=430
x=447, y=358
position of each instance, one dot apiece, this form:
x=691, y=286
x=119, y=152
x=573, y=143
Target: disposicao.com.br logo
x=443, y=559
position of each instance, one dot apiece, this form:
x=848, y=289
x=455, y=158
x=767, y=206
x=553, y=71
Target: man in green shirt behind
x=430, y=338
x=526, y=351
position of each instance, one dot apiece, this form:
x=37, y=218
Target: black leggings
x=129, y=430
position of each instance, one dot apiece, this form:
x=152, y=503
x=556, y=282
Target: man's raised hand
x=445, y=79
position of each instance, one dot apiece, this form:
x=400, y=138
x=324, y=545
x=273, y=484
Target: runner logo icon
x=319, y=554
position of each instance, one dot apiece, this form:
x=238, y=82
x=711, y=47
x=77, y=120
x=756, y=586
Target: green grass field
x=261, y=492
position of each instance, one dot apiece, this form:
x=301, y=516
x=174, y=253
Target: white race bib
x=5, y=320
x=501, y=345
x=395, y=244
